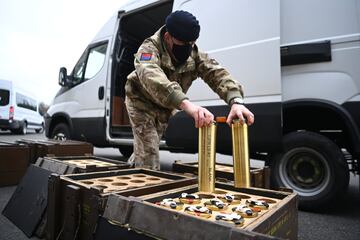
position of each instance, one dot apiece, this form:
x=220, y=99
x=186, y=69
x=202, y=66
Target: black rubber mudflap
x=27, y=205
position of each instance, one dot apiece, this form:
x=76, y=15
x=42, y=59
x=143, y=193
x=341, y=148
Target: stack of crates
x=52, y=157
x=41, y=148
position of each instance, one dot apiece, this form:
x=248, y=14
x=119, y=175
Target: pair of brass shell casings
x=207, y=156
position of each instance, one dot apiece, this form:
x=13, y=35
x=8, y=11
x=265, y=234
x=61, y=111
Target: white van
x=18, y=110
x=297, y=60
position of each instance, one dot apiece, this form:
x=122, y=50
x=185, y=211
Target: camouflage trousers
x=148, y=127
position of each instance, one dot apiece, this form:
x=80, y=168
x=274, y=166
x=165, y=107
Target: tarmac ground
x=340, y=222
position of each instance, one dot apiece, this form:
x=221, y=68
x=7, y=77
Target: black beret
x=183, y=26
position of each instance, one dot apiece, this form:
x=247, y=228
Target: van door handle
x=101, y=93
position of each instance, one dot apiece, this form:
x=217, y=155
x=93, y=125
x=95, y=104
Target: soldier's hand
x=240, y=112
x=201, y=115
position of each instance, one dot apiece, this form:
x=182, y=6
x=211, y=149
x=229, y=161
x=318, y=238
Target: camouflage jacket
x=157, y=83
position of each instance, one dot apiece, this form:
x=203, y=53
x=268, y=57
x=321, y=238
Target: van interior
x=134, y=28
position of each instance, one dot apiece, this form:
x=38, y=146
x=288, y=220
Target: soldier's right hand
x=201, y=115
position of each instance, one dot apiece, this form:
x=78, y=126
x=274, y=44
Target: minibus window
x=25, y=102
x=4, y=97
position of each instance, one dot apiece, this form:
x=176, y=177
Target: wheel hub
x=305, y=170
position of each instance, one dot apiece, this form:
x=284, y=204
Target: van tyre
x=126, y=151
x=314, y=167
x=61, y=131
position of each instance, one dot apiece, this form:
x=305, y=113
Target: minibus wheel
x=313, y=166
x=23, y=128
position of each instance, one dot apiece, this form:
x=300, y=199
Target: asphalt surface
x=340, y=222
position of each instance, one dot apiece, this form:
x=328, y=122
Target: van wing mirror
x=63, y=77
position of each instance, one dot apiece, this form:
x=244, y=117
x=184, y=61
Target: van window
x=4, y=97
x=89, y=64
x=95, y=61
x=25, y=102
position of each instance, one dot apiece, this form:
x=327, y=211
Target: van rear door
x=4, y=103
x=5, y=99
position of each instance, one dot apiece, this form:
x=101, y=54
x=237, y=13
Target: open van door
x=136, y=22
x=244, y=37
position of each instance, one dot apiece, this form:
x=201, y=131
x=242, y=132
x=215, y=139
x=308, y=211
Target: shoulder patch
x=145, y=56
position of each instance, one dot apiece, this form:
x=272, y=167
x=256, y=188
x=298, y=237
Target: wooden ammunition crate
x=75, y=201
x=73, y=165
x=145, y=217
x=41, y=148
x=14, y=160
x=260, y=177
x=61, y=166
x=80, y=164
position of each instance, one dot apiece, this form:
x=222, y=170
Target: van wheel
x=313, y=166
x=23, y=128
x=126, y=151
x=60, y=132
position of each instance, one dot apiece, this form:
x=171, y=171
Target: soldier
x=165, y=66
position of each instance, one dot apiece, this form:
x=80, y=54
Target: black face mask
x=181, y=52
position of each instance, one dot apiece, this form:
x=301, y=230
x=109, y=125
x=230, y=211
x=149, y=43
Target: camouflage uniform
x=157, y=87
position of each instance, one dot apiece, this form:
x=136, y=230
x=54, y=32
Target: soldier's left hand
x=240, y=112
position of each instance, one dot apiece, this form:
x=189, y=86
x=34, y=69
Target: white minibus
x=18, y=110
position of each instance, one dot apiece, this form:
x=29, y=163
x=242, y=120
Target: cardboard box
x=84, y=195
x=260, y=177
x=145, y=217
x=14, y=160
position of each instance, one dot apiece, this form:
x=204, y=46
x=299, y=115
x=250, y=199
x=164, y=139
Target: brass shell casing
x=207, y=151
x=240, y=154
